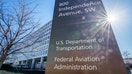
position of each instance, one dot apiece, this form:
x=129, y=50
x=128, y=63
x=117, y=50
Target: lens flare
x=112, y=18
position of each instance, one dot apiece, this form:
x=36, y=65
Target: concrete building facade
x=128, y=60
x=34, y=56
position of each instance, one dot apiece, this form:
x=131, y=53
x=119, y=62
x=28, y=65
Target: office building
x=33, y=56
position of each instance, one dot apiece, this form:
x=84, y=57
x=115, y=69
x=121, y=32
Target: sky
x=121, y=9
x=122, y=26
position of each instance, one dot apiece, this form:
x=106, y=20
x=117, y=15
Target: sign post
x=82, y=40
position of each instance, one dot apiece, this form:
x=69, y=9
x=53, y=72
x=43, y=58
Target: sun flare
x=112, y=18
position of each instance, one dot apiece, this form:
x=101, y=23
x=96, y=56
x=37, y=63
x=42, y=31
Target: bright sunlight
x=112, y=18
